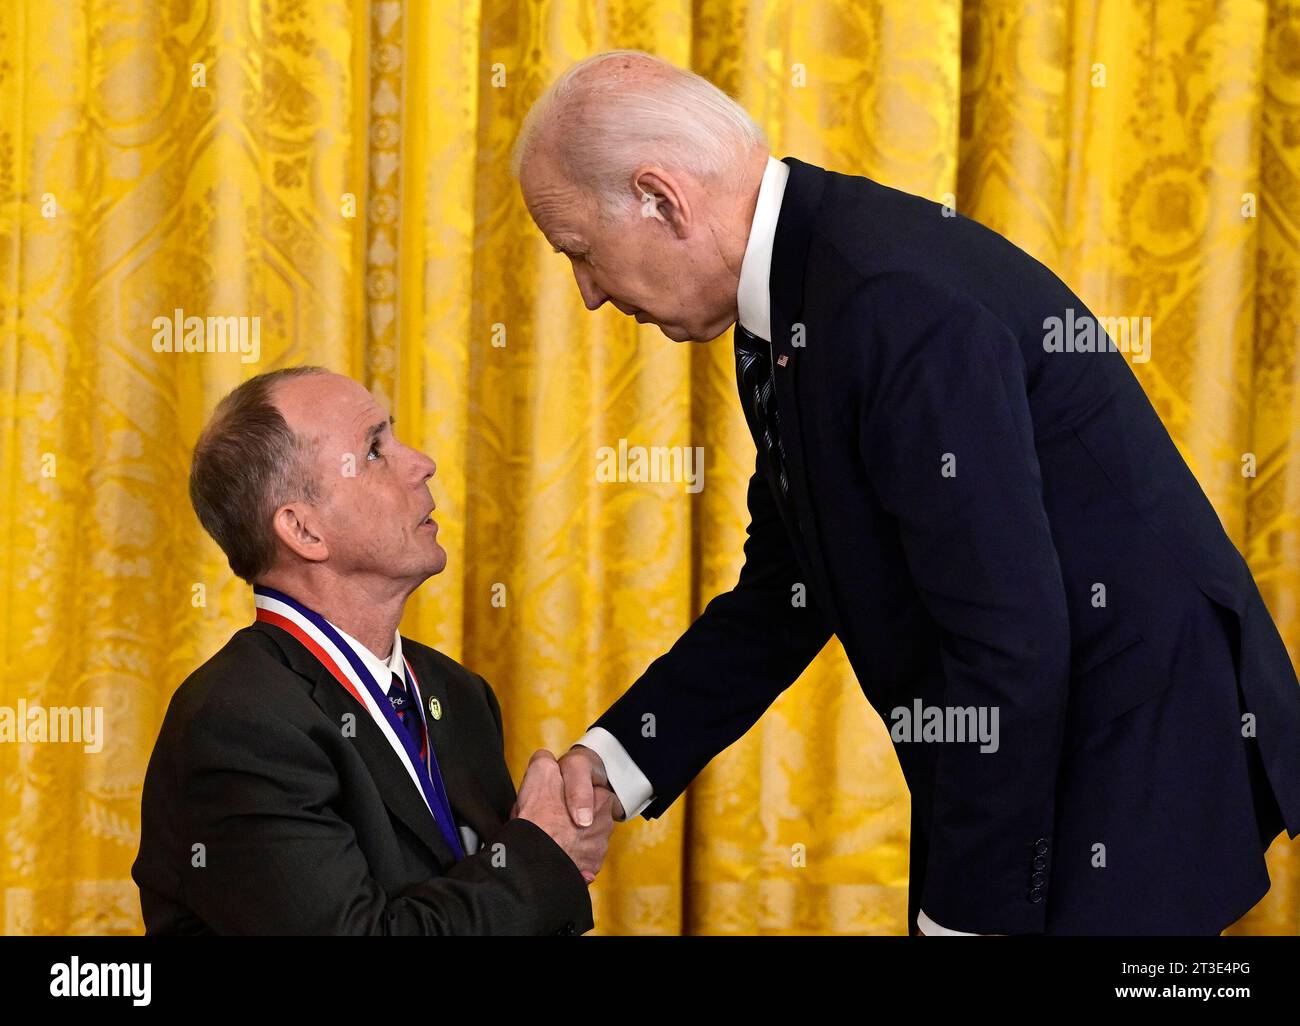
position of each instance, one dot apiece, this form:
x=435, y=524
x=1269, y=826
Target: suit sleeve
x=748, y=646
x=261, y=797
x=948, y=444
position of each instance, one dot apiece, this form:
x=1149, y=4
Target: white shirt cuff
x=932, y=929
x=634, y=791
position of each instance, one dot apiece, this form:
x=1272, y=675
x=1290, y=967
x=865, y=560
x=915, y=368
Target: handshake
x=572, y=801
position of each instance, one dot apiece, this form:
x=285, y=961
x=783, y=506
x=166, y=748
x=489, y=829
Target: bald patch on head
x=627, y=67
x=553, y=141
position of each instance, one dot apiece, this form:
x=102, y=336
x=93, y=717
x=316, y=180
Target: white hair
x=603, y=130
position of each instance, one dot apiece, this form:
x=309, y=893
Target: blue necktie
x=410, y=717
x=754, y=368
x=404, y=705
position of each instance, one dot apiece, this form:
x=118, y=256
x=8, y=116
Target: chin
x=699, y=336
x=437, y=562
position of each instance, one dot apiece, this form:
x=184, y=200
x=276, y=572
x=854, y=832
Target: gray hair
x=248, y=463
x=609, y=127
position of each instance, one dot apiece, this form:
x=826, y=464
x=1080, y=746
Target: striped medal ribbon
x=346, y=666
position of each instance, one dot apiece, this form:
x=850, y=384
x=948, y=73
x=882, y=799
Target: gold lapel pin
x=435, y=708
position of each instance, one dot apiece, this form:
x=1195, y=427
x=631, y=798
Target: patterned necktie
x=753, y=367
x=403, y=706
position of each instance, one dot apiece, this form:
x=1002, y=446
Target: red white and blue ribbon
x=346, y=666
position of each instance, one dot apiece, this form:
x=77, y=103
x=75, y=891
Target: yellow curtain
x=338, y=168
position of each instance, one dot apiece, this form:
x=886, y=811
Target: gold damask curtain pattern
x=153, y=157
x=339, y=169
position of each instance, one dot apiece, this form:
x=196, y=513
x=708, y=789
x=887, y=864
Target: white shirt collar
x=753, y=300
x=383, y=670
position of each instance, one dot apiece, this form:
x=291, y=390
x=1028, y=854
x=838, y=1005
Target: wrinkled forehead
x=330, y=409
x=553, y=200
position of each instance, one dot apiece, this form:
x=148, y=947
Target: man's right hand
x=584, y=776
x=541, y=801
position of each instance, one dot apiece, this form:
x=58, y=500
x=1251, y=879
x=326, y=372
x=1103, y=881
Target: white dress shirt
x=754, y=311
x=383, y=670
x=753, y=300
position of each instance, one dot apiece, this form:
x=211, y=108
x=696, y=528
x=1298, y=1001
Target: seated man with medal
x=322, y=774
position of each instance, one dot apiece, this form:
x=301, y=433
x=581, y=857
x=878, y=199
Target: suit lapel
x=394, y=783
x=469, y=802
x=803, y=193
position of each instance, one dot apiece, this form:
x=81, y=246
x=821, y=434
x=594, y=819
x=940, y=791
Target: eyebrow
x=373, y=434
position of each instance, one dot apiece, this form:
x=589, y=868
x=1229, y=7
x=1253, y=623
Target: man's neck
x=751, y=182
x=734, y=245
x=365, y=608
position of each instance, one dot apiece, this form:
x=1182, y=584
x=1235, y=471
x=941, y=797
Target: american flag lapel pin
x=782, y=360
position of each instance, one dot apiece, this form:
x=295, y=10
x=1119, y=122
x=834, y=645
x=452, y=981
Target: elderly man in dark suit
x=322, y=773
x=957, y=463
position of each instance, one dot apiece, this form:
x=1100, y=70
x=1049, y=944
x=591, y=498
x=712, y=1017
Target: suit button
x=1040, y=846
x=1036, y=881
x=1035, y=894
x=1040, y=861
x=569, y=929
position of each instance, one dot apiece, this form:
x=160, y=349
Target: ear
x=295, y=526
x=662, y=197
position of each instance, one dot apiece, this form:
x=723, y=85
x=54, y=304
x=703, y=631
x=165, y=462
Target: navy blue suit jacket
x=958, y=493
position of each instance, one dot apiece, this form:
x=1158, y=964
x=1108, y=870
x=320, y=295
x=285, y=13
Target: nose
x=422, y=466
x=593, y=297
